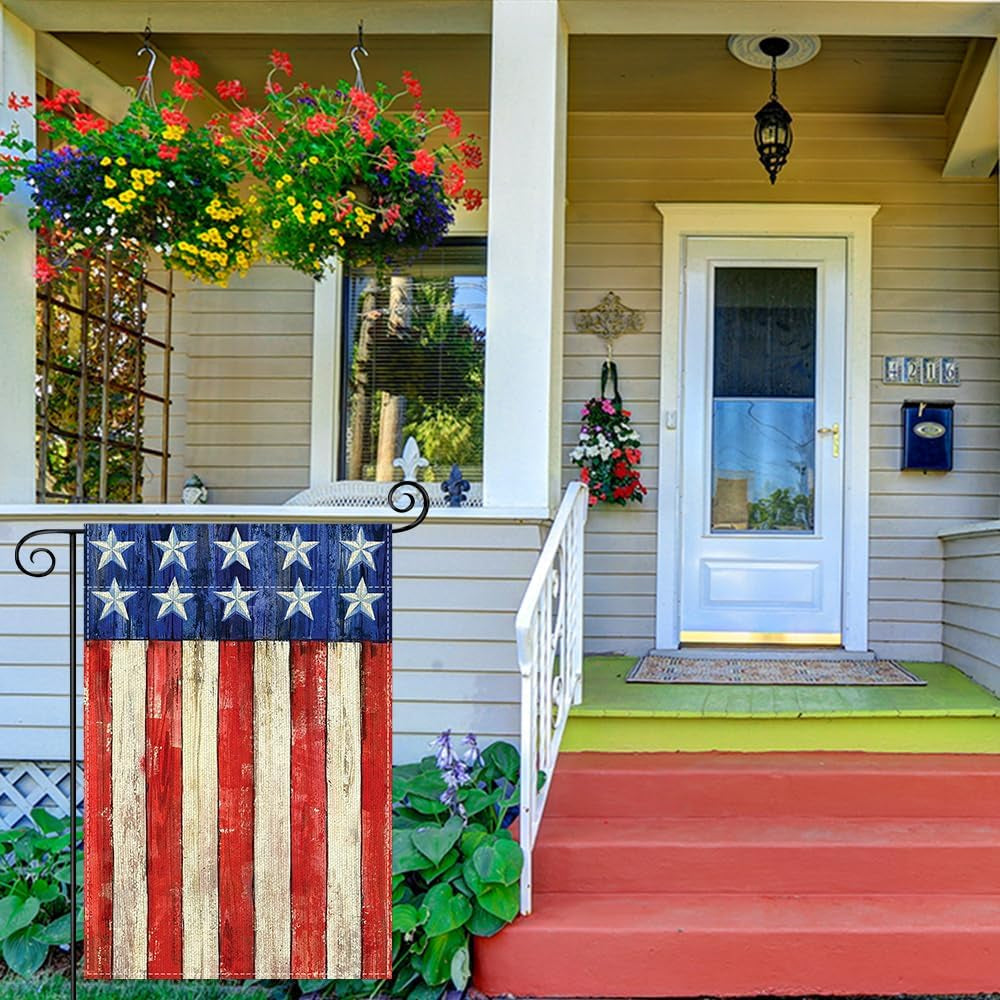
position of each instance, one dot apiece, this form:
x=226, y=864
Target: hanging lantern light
x=773, y=132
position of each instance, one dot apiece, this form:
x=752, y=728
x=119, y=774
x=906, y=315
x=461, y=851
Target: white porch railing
x=549, y=627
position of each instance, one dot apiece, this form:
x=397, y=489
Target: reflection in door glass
x=763, y=406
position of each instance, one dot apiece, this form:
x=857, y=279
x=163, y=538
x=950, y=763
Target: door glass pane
x=764, y=399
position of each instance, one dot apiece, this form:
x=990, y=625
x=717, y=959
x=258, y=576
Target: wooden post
x=390, y=431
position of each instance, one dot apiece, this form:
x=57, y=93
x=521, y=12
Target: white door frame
x=850, y=222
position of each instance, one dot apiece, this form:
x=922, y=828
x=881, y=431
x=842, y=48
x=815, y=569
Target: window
x=413, y=364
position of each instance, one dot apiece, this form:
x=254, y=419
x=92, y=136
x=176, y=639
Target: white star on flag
x=236, y=550
x=296, y=550
x=361, y=600
x=236, y=600
x=111, y=551
x=298, y=600
x=361, y=550
x=172, y=601
x=114, y=599
x=173, y=550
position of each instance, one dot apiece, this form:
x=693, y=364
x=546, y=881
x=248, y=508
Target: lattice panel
x=25, y=785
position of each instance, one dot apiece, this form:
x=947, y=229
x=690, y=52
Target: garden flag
x=237, y=724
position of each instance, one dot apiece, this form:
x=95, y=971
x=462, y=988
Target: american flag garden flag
x=237, y=731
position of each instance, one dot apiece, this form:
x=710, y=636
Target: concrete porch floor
x=951, y=714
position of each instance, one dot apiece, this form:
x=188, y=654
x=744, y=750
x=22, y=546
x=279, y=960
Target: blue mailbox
x=928, y=435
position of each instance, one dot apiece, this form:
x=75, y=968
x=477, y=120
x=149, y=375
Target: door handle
x=835, y=431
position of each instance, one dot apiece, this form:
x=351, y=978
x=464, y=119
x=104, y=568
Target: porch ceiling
x=454, y=69
x=696, y=73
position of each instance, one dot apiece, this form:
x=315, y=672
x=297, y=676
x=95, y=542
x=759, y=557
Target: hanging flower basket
x=150, y=181
x=608, y=450
x=344, y=173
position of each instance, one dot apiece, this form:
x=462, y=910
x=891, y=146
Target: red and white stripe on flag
x=233, y=829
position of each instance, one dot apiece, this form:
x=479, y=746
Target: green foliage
x=34, y=891
x=782, y=511
x=455, y=873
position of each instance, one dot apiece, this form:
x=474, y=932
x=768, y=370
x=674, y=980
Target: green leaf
x=405, y=857
x=500, y=862
x=45, y=891
x=482, y=923
x=24, y=846
x=24, y=952
x=505, y=758
x=443, y=911
x=435, y=961
x=429, y=807
x=471, y=839
x=48, y=823
x=311, y=985
x=476, y=800
x=405, y=918
x=424, y=992
x=428, y=785
x=435, y=842
x=58, y=931
x=460, y=970
x=16, y=913
x=437, y=874
x=500, y=900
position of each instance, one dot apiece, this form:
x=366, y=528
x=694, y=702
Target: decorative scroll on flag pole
x=237, y=736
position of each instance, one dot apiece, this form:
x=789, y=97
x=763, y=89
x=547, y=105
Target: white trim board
x=850, y=222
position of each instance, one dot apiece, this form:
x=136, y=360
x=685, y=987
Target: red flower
x=168, y=152
x=243, y=119
x=320, y=122
x=452, y=122
x=620, y=470
x=16, y=103
x=412, y=84
x=172, y=117
x=280, y=60
x=44, y=271
x=84, y=122
x=390, y=217
x=472, y=155
x=423, y=163
x=389, y=157
x=473, y=199
x=185, y=89
x=366, y=132
x=273, y=87
x=455, y=181
x=626, y=413
x=230, y=90
x=186, y=68
x=585, y=475
x=44, y=126
x=52, y=104
x=363, y=103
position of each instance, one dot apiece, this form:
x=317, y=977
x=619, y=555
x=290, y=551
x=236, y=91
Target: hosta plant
x=34, y=891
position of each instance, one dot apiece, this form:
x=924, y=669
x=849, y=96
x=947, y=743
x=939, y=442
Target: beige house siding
x=935, y=291
x=972, y=605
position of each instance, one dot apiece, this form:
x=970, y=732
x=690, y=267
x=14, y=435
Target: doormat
x=680, y=670
x=237, y=715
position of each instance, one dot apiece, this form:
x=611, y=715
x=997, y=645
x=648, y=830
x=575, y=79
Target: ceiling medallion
x=801, y=49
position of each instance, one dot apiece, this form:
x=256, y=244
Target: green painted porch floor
x=951, y=714
x=948, y=693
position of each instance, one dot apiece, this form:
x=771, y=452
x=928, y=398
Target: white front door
x=762, y=480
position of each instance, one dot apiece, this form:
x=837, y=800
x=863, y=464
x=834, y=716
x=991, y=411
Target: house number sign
x=920, y=371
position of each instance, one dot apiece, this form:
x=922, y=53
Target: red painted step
x=740, y=874
x=750, y=854
x=775, y=784
x=610, y=945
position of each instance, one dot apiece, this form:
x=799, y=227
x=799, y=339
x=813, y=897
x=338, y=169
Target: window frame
x=341, y=379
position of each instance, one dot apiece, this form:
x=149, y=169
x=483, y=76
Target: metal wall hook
x=359, y=48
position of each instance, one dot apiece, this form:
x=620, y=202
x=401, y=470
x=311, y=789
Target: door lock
x=835, y=431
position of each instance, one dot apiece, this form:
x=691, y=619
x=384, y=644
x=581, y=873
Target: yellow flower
x=314, y=160
x=351, y=195
x=287, y=178
x=290, y=199
x=137, y=185
x=317, y=204
x=224, y=160
x=128, y=195
x=300, y=213
x=173, y=132
x=275, y=224
x=110, y=182
x=120, y=161
x=106, y=161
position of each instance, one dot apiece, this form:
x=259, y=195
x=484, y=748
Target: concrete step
x=678, y=785
x=767, y=855
x=578, y=944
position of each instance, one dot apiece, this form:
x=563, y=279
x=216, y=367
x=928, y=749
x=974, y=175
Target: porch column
x=17, y=286
x=524, y=297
